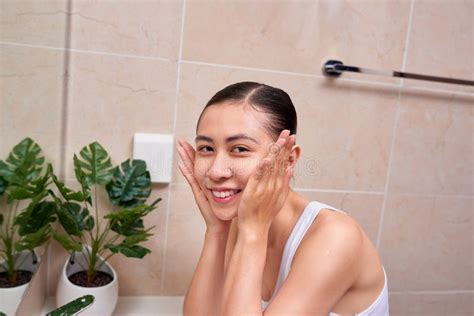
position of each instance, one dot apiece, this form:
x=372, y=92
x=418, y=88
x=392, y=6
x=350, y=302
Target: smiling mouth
x=224, y=194
x=227, y=197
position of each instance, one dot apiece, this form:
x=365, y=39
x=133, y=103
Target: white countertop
x=137, y=305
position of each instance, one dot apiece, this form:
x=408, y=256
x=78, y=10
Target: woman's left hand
x=267, y=188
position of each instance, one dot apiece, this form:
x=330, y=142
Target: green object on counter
x=74, y=307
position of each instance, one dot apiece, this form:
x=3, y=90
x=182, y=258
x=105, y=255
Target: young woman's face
x=230, y=142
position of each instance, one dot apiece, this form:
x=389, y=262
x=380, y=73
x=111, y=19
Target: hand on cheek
x=267, y=188
x=187, y=167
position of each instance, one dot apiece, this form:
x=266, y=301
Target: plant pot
x=106, y=296
x=11, y=297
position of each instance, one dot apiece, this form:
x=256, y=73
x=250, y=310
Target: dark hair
x=273, y=101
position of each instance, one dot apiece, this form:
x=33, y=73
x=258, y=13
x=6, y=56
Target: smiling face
x=231, y=140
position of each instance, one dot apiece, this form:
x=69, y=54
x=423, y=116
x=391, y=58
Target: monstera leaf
x=73, y=220
x=129, y=221
x=23, y=164
x=95, y=168
x=68, y=194
x=67, y=242
x=36, y=216
x=129, y=246
x=32, y=189
x=3, y=185
x=130, y=185
x=83, y=179
x=33, y=240
x=134, y=251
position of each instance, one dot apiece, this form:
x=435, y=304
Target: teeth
x=224, y=194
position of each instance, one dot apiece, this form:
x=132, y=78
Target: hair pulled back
x=273, y=101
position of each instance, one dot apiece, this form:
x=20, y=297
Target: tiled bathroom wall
x=396, y=154
x=32, y=85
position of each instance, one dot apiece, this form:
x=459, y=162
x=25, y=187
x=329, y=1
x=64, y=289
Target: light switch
x=157, y=151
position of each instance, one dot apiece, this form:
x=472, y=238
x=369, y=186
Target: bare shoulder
x=333, y=230
x=324, y=267
x=335, y=241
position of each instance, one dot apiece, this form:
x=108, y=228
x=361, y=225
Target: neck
x=286, y=219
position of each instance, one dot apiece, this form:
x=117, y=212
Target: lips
x=222, y=198
x=224, y=193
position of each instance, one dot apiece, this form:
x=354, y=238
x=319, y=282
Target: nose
x=221, y=168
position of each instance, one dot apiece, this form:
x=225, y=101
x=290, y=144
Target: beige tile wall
x=31, y=84
x=396, y=154
x=32, y=69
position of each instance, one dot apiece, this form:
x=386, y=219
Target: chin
x=225, y=214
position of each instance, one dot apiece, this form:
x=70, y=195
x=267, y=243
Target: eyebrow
x=228, y=139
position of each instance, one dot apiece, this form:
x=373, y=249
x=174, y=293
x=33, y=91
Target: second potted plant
x=91, y=240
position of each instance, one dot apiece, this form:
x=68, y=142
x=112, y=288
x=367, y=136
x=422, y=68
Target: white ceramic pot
x=105, y=297
x=11, y=297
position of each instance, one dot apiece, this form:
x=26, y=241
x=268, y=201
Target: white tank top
x=378, y=308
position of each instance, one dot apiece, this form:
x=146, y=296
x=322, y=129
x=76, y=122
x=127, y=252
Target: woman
x=268, y=249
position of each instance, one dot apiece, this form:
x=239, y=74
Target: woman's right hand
x=186, y=166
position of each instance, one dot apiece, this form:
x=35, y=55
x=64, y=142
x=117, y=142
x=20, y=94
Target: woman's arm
x=263, y=197
x=204, y=295
x=243, y=282
x=323, y=269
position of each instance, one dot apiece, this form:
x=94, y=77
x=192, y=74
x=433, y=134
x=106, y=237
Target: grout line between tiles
x=419, y=88
x=85, y=51
x=178, y=76
x=63, y=136
x=31, y=45
x=407, y=40
x=275, y=71
x=394, y=133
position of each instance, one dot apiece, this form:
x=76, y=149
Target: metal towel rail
x=335, y=68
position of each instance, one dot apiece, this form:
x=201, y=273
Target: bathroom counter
x=137, y=305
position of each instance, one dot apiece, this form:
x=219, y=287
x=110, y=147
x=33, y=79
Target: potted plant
x=25, y=219
x=91, y=240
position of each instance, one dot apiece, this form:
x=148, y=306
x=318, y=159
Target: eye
x=240, y=147
x=202, y=147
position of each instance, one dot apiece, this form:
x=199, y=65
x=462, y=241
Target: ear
x=294, y=155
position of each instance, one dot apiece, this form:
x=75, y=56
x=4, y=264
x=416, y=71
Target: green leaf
x=3, y=185
x=137, y=238
x=31, y=189
x=95, y=168
x=36, y=216
x=129, y=246
x=82, y=178
x=129, y=251
x=70, y=195
x=23, y=163
x=130, y=185
x=33, y=240
x=128, y=221
x=73, y=220
x=68, y=243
